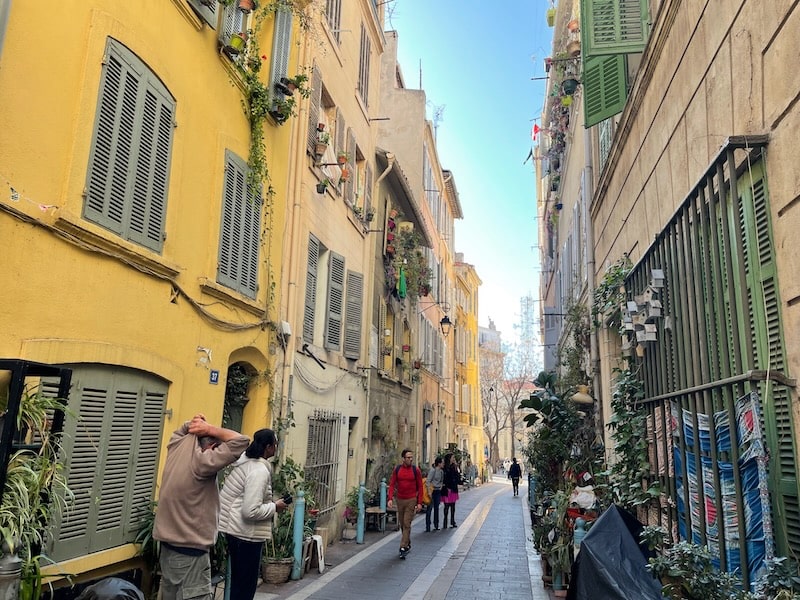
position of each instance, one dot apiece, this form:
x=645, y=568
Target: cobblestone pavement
x=489, y=555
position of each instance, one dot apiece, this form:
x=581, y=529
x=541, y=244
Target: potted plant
x=236, y=43
x=322, y=185
x=569, y=85
x=279, y=551
x=35, y=493
x=344, y=176
x=247, y=6
x=342, y=157
x=282, y=109
x=551, y=17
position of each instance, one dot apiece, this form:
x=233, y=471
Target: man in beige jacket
x=188, y=505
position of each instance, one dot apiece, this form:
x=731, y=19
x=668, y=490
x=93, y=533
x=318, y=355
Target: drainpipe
x=390, y=159
x=594, y=342
x=5, y=10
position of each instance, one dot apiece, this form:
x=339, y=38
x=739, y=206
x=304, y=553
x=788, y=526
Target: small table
x=377, y=517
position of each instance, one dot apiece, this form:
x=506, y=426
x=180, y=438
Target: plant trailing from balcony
x=407, y=272
x=610, y=293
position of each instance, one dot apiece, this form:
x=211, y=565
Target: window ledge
x=212, y=288
x=188, y=14
x=113, y=246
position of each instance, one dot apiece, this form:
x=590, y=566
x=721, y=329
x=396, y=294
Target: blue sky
x=477, y=60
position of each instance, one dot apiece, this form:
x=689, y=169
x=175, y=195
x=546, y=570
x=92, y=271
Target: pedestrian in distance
x=188, y=505
x=406, y=482
x=452, y=477
x=514, y=474
x=435, y=483
x=247, y=511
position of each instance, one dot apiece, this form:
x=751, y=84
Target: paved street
x=489, y=554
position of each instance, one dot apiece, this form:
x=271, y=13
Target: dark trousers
x=515, y=483
x=244, y=558
x=452, y=511
x=436, y=497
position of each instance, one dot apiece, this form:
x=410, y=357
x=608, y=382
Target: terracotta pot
x=247, y=5
x=573, y=26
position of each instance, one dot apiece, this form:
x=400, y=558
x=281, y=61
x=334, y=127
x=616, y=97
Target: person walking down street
x=406, y=481
x=247, y=511
x=188, y=505
x=452, y=477
x=514, y=474
x=435, y=483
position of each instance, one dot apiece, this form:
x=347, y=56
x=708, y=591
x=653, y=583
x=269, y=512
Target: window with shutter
x=314, y=109
x=613, y=26
x=335, y=308
x=610, y=29
x=310, y=304
x=129, y=161
x=363, y=66
x=350, y=184
x=233, y=21
x=353, y=313
x=367, y=189
x=604, y=87
x=112, y=438
x=240, y=226
x=207, y=10
x=333, y=14
x=281, y=45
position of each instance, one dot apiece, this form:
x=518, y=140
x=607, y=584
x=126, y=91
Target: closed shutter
x=613, y=26
x=335, y=312
x=281, y=45
x=767, y=335
x=128, y=173
x=340, y=131
x=237, y=266
x=311, y=289
x=206, y=10
x=112, y=450
x=604, y=87
x=367, y=188
x=350, y=184
x=314, y=108
x=353, y=313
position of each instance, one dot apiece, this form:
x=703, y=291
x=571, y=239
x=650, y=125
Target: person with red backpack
x=406, y=480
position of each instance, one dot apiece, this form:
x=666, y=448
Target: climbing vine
x=610, y=293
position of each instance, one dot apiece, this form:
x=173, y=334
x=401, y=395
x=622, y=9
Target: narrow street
x=490, y=554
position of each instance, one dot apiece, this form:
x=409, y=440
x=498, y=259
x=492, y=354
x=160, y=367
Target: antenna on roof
x=438, y=112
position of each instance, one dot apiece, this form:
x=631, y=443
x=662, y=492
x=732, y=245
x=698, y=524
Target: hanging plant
x=610, y=293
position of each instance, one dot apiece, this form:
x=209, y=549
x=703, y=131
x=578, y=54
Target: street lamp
x=445, y=325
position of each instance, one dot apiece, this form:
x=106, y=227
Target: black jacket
x=514, y=471
x=452, y=478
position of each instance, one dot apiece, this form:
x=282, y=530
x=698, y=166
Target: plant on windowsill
x=370, y=215
x=323, y=185
x=344, y=176
x=342, y=157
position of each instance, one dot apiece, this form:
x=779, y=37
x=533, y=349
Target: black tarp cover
x=611, y=565
x=112, y=589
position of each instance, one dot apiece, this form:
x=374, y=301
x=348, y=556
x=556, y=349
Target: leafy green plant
x=686, y=571
x=780, y=580
x=609, y=294
x=35, y=492
x=628, y=420
x=351, y=502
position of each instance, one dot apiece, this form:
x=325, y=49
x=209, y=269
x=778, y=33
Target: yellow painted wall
x=74, y=292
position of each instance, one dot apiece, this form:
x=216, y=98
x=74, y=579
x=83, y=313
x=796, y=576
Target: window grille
x=322, y=456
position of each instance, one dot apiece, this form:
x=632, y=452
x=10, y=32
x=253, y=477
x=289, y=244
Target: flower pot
x=573, y=26
x=236, y=43
x=392, y=214
x=406, y=348
x=559, y=206
x=321, y=187
x=282, y=88
x=566, y=101
x=289, y=83
x=320, y=126
x=247, y=5
x=551, y=17
x=389, y=237
x=574, y=48
x=341, y=159
x=320, y=148
x=417, y=364
x=390, y=249
x=568, y=86
x=277, y=570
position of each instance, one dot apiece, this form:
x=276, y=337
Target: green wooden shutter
x=206, y=10
x=311, y=289
x=314, y=108
x=237, y=266
x=335, y=311
x=767, y=335
x=613, y=26
x=281, y=44
x=353, y=312
x=604, y=88
x=128, y=173
x=112, y=450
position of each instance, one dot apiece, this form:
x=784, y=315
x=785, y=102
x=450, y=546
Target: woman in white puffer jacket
x=246, y=512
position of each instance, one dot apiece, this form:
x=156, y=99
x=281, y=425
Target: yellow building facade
x=135, y=252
